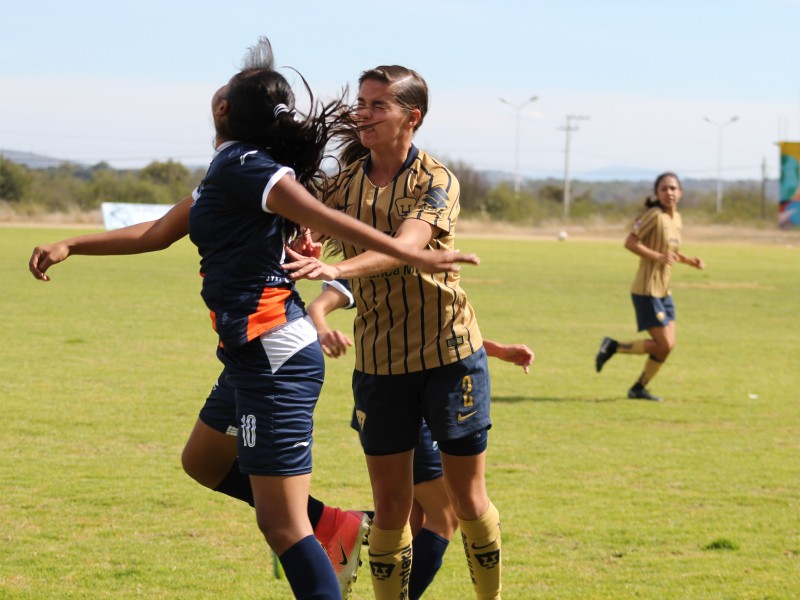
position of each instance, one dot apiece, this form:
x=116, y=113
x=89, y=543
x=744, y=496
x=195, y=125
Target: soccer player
x=240, y=218
x=432, y=520
x=419, y=352
x=655, y=238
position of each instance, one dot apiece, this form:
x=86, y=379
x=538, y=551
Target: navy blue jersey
x=241, y=245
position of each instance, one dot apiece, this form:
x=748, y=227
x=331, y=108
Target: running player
x=655, y=238
x=240, y=217
x=419, y=352
x=432, y=520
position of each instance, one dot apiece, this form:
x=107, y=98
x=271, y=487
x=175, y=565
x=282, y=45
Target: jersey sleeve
x=343, y=287
x=645, y=223
x=252, y=175
x=438, y=200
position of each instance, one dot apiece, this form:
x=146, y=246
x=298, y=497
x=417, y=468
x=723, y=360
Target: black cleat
x=642, y=394
x=608, y=348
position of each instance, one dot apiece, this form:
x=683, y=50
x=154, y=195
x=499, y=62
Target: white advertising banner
x=121, y=214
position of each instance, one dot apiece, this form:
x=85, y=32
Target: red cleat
x=341, y=534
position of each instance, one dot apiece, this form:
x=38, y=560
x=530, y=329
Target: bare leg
x=208, y=455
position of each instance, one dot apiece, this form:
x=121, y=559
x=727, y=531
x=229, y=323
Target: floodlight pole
x=518, y=108
x=719, y=127
x=569, y=128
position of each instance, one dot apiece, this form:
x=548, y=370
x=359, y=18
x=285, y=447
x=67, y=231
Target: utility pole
x=518, y=109
x=763, y=186
x=568, y=129
x=719, y=127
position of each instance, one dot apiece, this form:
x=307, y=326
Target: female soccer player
x=240, y=218
x=432, y=520
x=655, y=238
x=419, y=352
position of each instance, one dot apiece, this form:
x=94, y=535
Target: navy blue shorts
x=219, y=410
x=653, y=312
x=427, y=460
x=454, y=400
x=273, y=409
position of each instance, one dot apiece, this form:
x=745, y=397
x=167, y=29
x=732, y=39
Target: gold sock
x=651, y=367
x=481, y=539
x=634, y=347
x=390, y=561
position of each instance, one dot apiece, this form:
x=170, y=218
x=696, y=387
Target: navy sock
x=236, y=485
x=308, y=570
x=429, y=549
x=314, y=511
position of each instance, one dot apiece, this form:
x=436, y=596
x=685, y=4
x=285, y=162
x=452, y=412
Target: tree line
x=71, y=189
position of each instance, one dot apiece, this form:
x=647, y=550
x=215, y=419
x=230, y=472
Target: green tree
x=165, y=173
x=15, y=181
x=474, y=187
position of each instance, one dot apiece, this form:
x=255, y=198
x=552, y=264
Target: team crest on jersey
x=403, y=206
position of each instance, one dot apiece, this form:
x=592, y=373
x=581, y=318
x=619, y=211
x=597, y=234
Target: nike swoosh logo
x=371, y=553
x=300, y=444
x=342, y=562
x=466, y=416
x=476, y=547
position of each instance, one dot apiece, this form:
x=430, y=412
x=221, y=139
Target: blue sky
x=130, y=82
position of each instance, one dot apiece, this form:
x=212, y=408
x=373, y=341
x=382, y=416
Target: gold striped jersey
x=661, y=232
x=407, y=321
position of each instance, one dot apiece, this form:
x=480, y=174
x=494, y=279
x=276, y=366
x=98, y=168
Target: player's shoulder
x=648, y=217
x=430, y=164
x=238, y=156
x=347, y=173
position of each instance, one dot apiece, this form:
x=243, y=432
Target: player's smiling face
x=382, y=121
x=669, y=193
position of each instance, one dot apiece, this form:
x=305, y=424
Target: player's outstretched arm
x=518, y=354
x=290, y=199
x=135, y=239
x=334, y=343
x=695, y=262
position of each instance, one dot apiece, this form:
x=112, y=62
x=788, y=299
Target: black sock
x=236, y=485
x=314, y=511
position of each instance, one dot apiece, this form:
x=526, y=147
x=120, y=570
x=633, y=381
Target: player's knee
x=200, y=470
x=443, y=523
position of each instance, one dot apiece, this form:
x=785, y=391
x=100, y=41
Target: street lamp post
x=569, y=128
x=518, y=108
x=719, y=127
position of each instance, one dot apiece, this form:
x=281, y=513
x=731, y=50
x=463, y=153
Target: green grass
x=104, y=368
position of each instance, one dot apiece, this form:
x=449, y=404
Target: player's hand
x=667, y=258
x=519, y=354
x=440, y=261
x=305, y=245
x=306, y=267
x=44, y=257
x=334, y=343
x=697, y=263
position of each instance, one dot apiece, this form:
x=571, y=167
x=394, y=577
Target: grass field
x=104, y=368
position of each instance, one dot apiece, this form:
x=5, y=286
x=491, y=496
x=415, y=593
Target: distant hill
x=31, y=160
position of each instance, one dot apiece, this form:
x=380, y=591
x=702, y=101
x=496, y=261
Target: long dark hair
x=653, y=200
x=299, y=141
